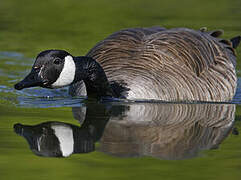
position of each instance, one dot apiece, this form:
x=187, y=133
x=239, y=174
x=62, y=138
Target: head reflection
x=56, y=139
x=166, y=131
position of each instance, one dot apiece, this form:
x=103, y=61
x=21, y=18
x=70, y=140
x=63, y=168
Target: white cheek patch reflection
x=65, y=137
x=38, y=143
x=67, y=74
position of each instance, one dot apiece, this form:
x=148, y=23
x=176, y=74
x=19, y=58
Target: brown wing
x=153, y=48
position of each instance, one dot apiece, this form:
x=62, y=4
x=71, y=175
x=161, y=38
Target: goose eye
x=57, y=61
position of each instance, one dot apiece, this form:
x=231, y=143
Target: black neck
x=94, y=77
x=92, y=128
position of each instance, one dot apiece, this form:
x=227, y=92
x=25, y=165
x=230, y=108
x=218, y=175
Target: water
x=111, y=140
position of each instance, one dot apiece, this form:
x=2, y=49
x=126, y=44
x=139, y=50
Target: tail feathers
x=235, y=41
x=216, y=33
x=229, y=44
x=232, y=49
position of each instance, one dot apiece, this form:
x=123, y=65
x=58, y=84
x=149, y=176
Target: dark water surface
x=47, y=134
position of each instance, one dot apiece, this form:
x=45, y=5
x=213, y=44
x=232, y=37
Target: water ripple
x=44, y=102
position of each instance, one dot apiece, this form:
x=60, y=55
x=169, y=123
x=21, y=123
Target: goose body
x=151, y=63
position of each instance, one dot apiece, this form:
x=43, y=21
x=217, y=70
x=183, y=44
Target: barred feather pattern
x=175, y=64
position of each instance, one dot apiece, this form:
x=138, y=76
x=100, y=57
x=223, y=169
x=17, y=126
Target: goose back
x=175, y=64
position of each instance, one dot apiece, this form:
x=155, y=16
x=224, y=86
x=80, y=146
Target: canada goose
x=145, y=63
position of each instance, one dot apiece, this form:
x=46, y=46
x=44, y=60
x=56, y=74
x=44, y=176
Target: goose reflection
x=165, y=131
x=59, y=139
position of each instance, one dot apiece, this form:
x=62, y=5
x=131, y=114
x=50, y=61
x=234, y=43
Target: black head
x=51, y=69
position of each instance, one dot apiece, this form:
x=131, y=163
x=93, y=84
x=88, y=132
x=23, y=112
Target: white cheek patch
x=40, y=74
x=67, y=74
x=65, y=137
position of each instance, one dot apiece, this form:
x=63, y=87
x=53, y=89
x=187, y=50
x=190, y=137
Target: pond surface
x=47, y=134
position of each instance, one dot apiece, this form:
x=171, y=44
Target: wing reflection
x=166, y=131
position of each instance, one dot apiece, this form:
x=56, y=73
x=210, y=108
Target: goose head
x=58, y=68
x=51, y=69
